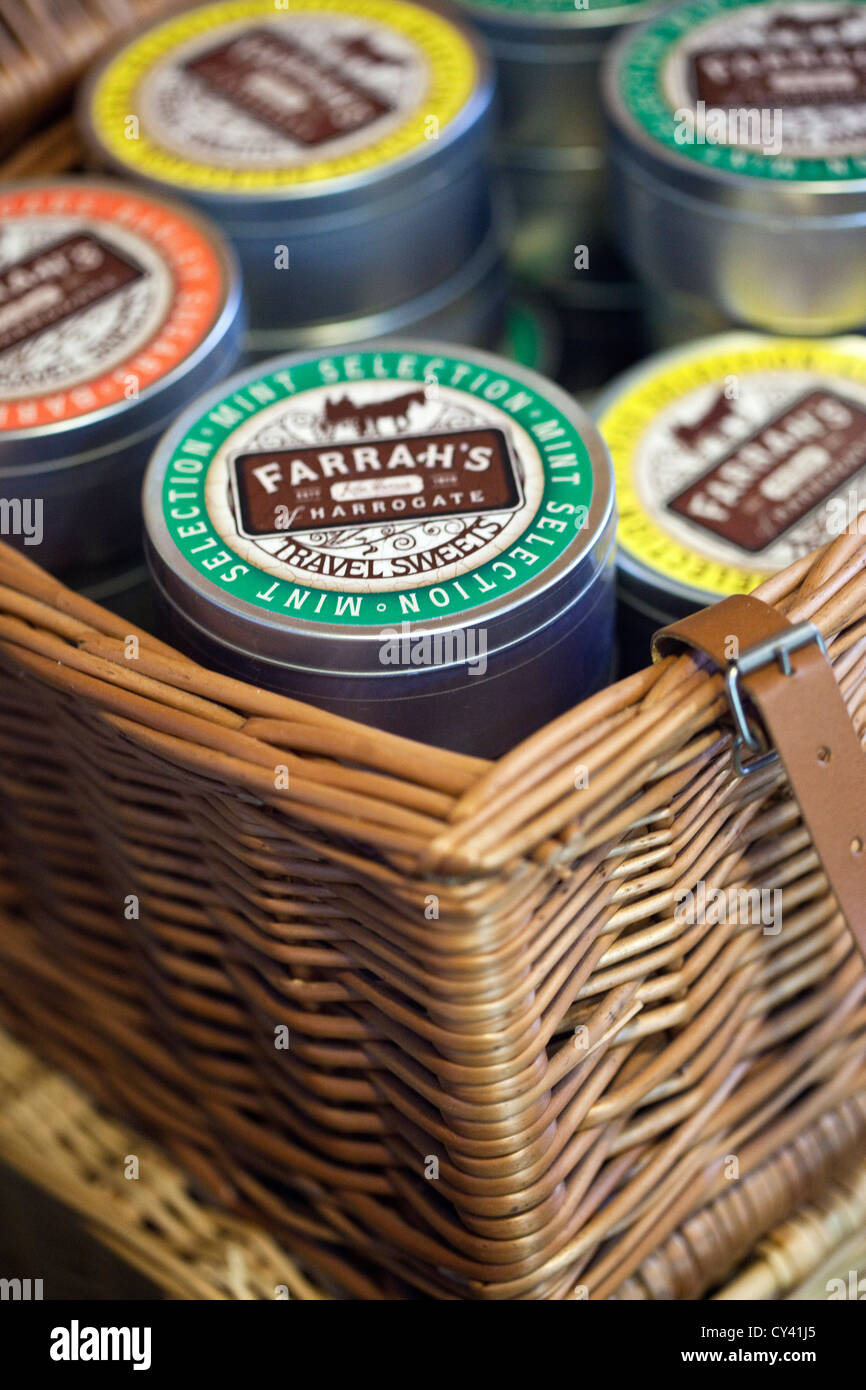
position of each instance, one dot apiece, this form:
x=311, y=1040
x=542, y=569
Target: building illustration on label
x=815, y=28
x=719, y=415
x=367, y=418
x=362, y=46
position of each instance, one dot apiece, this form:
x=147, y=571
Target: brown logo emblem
x=804, y=73
x=56, y=282
x=289, y=87
x=371, y=482
x=770, y=481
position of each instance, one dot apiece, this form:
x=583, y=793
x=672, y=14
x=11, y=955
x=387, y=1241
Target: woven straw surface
x=512, y=1071
x=52, y=1134
x=824, y=1240
x=45, y=46
x=56, y=1138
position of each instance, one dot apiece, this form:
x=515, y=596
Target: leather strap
x=806, y=722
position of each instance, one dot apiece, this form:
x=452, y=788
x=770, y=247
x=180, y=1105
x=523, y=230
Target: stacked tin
x=418, y=537
x=340, y=143
x=734, y=456
x=116, y=307
x=738, y=134
x=550, y=138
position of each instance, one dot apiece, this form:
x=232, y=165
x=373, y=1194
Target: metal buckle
x=778, y=648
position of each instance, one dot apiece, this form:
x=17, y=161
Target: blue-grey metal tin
x=468, y=307
x=767, y=230
x=550, y=144
x=321, y=237
x=86, y=391
x=524, y=570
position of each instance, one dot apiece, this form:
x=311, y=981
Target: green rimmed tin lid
x=306, y=505
x=750, y=100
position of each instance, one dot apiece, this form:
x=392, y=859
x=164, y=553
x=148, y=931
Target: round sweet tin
x=550, y=141
x=733, y=457
x=547, y=55
x=468, y=308
x=671, y=318
x=116, y=307
x=340, y=143
x=738, y=137
x=414, y=536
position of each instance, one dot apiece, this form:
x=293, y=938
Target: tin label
x=733, y=464
x=378, y=486
x=755, y=87
x=770, y=482
x=241, y=97
x=101, y=295
x=806, y=74
x=45, y=288
x=375, y=482
x=288, y=87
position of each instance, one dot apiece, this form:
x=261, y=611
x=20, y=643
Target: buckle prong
x=779, y=649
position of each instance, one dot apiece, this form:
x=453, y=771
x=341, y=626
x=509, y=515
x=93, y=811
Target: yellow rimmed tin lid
x=248, y=101
x=734, y=456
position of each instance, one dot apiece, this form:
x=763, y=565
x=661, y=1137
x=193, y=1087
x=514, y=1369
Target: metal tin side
x=468, y=307
x=781, y=257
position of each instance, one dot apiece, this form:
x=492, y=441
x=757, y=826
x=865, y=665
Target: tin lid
x=114, y=307
x=734, y=456
x=750, y=103
x=304, y=507
x=244, y=103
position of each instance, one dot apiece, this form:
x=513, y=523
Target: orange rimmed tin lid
x=114, y=306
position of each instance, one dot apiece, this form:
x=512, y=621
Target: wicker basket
x=109, y=1237
x=45, y=46
x=511, y=1071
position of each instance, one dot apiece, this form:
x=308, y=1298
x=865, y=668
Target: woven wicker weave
x=52, y=1134
x=45, y=46
x=479, y=966
x=824, y=1240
